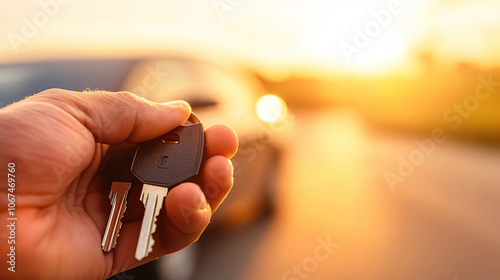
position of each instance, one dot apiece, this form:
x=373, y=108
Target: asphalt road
x=338, y=218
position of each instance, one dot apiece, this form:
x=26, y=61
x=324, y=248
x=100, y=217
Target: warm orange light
x=361, y=36
x=271, y=108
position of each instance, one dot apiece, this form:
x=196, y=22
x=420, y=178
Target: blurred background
x=369, y=130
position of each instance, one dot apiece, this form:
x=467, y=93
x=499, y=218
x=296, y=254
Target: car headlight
x=271, y=108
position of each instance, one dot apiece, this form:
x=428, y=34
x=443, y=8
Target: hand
x=57, y=140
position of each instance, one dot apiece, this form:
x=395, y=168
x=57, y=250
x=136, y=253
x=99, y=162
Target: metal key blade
x=118, y=198
x=152, y=197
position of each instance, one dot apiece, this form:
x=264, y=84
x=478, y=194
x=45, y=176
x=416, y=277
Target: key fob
x=173, y=158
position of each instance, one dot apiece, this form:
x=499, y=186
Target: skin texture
x=57, y=140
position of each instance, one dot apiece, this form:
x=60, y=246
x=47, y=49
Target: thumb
x=115, y=117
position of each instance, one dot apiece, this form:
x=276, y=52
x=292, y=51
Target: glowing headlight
x=271, y=108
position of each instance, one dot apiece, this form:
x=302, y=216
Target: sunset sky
x=274, y=36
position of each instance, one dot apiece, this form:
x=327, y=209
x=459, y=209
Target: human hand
x=57, y=140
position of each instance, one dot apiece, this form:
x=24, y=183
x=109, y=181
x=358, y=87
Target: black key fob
x=173, y=158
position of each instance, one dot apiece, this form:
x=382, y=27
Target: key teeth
x=114, y=233
x=153, y=230
x=151, y=242
x=120, y=225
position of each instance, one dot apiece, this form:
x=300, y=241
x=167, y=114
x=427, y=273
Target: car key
x=116, y=167
x=164, y=163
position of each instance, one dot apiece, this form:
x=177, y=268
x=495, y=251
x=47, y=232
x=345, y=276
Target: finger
x=221, y=140
x=115, y=117
x=181, y=222
x=187, y=209
x=217, y=180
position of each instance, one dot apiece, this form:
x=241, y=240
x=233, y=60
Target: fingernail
x=180, y=103
x=208, y=210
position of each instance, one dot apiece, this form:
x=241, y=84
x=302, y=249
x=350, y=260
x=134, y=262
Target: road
x=440, y=223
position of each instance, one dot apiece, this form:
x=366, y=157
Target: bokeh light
x=271, y=108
